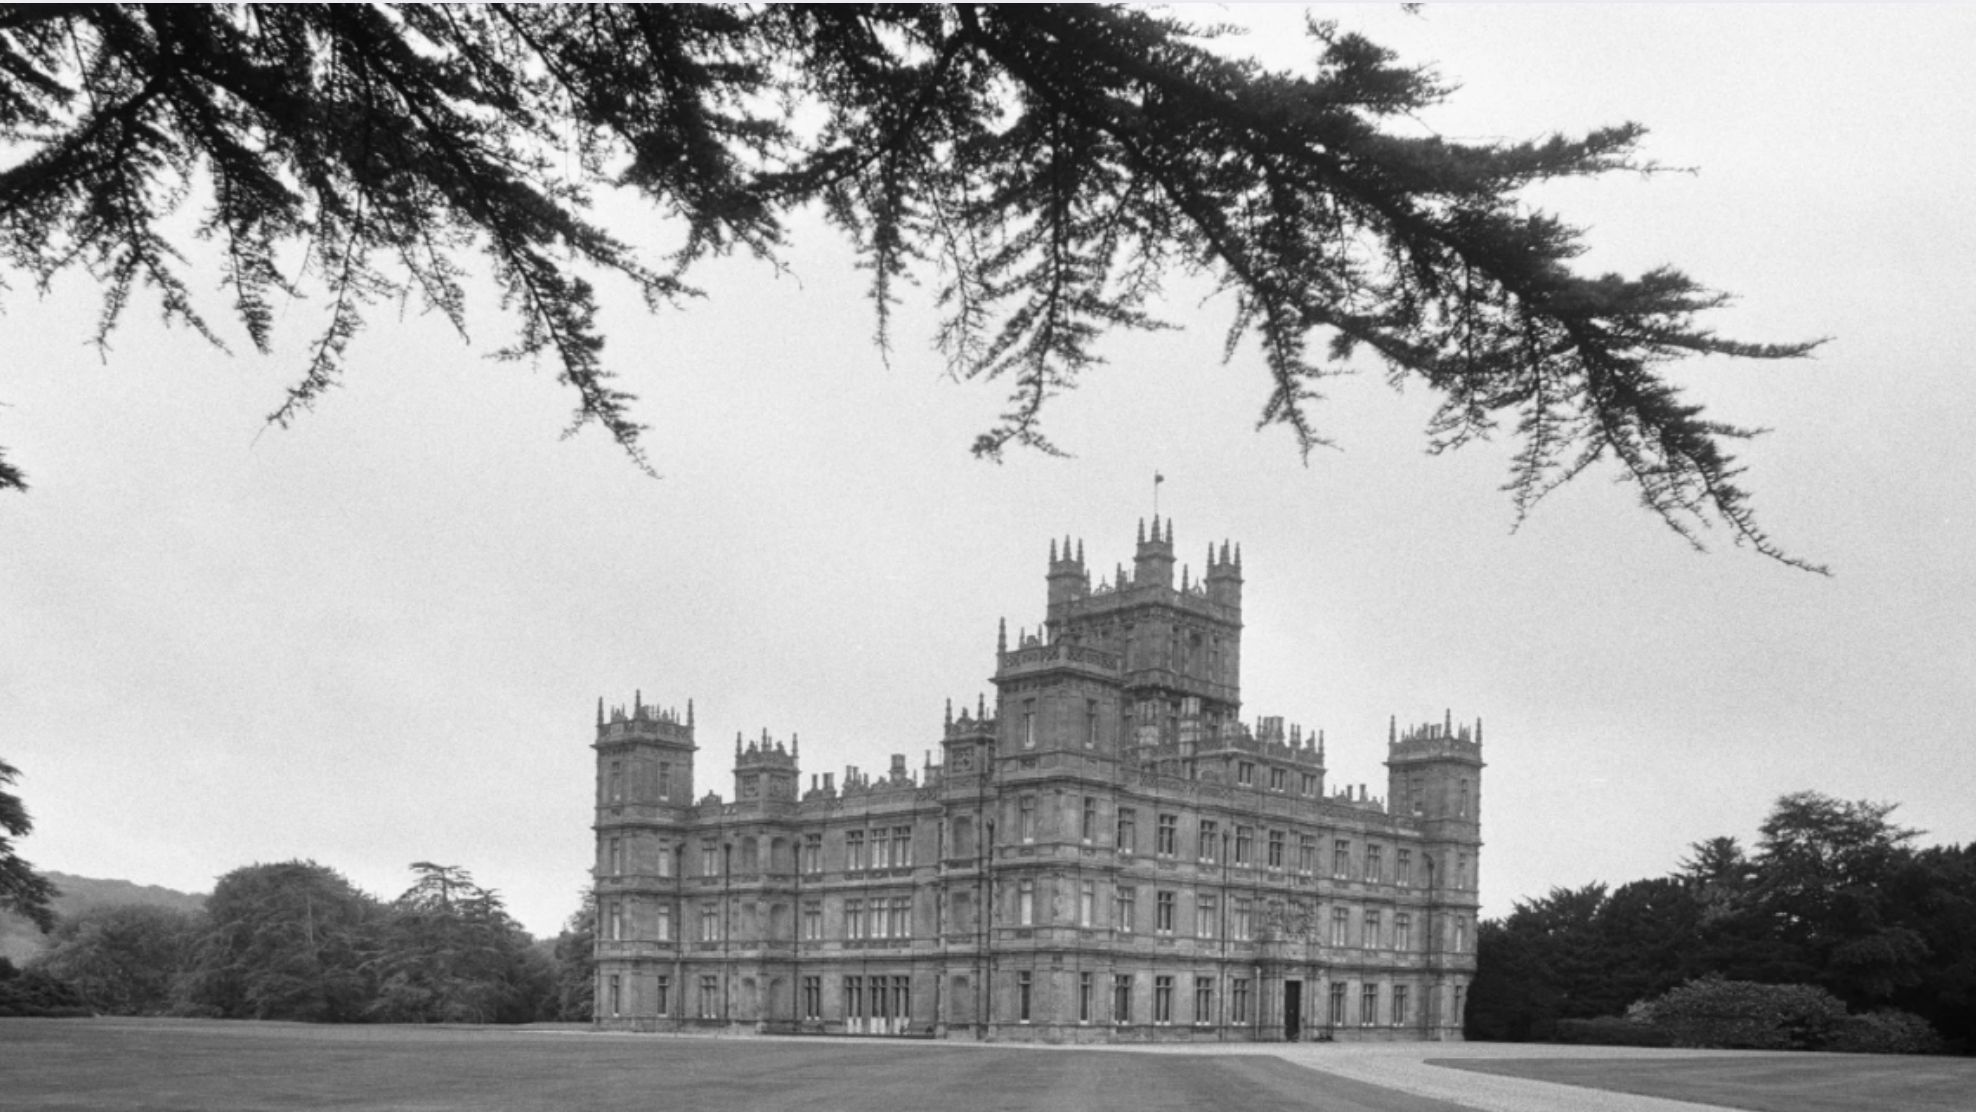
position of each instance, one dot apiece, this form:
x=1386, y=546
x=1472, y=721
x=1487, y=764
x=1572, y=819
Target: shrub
x=1884, y=1032
x=1713, y=1012
x=1610, y=1030
x=34, y=993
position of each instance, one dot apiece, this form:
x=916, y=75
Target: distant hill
x=19, y=940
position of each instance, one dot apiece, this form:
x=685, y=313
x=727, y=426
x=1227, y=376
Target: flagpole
x=1157, y=480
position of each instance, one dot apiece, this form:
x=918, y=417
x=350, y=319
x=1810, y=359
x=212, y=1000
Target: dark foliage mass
x=1835, y=912
x=296, y=941
x=22, y=890
x=1047, y=165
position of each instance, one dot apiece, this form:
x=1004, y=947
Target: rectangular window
x=1276, y=779
x=1029, y=723
x=1245, y=919
x=617, y=920
x=1168, y=835
x=1400, y=1005
x=1368, y=1005
x=1461, y=934
x=1125, y=908
x=665, y=922
x=1375, y=865
x=615, y=792
x=709, y=858
x=709, y=923
x=1204, y=916
x=1026, y=904
x=902, y=917
x=1276, y=850
x=1306, y=854
x=1338, y=1005
x=1122, y=998
x=663, y=991
x=1238, y=1000
x=1461, y=997
x=854, y=1006
x=1209, y=841
x=1461, y=870
x=617, y=995
x=854, y=857
x=617, y=856
x=812, y=998
x=665, y=859
x=1341, y=927
x=1084, y=998
x=854, y=926
x=1245, y=772
x=665, y=780
x=1088, y=829
x=1309, y=783
x=1163, y=1000
x=881, y=848
x=1090, y=723
x=902, y=847
x=1403, y=868
x=1402, y=931
x=1163, y=913
x=879, y=924
x=1087, y=904
x=1128, y=832
x=813, y=920
x=1341, y=859
x=1372, y=930
x=1026, y=818
x=813, y=853
x=710, y=996
x=1203, y=999
x=1022, y=990
x=1245, y=845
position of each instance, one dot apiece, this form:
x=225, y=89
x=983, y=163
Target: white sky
x=380, y=637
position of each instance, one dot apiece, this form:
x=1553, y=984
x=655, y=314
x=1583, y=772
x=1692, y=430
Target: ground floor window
x=1122, y=998
x=1162, y=999
x=709, y=997
x=1022, y=989
x=616, y=996
x=1338, y=1005
x=854, y=998
x=812, y=998
x=1203, y=1000
x=1400, y=1002
x=1369, y=1005
x=1084, y=997
x=1238, y=1000
x=663, y=990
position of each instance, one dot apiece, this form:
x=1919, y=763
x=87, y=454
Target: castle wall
x=1109, y=856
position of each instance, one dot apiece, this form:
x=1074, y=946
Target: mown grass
x=119, y=1065
x=1762, y=1082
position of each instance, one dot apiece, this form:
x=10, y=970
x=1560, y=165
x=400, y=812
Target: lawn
x=1762, y=1082
x=115, y=1065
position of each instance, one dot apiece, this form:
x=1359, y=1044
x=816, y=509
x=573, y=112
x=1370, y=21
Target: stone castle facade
x=1108, y=853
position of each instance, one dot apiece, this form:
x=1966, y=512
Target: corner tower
x=644, y=800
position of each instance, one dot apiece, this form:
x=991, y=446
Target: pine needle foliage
x=1048, y=165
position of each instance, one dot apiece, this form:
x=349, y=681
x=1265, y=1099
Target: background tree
x=124, y=960
x=576, y=962
x=1050, y=164
x=22, y=890
x=284, y=941
x=449, y=953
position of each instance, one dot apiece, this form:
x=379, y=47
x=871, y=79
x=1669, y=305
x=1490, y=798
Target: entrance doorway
x=1293, y=1010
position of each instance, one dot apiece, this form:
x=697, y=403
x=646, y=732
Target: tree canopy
x=1050, y=164
x=22, y=890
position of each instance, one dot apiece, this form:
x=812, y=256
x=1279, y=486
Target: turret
x=1152, y=565
x=1067, y=578
x=1434, y=776
x=1224, y=578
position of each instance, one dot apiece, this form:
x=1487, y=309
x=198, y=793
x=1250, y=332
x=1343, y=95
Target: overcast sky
x=379, y=637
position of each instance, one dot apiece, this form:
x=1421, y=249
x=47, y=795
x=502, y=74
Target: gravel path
x=1408, y=1068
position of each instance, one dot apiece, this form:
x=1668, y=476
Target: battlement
x=765, y=752
x=978, y=724
x=645, y=723
x=1152, y=573
x=1435, y=740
